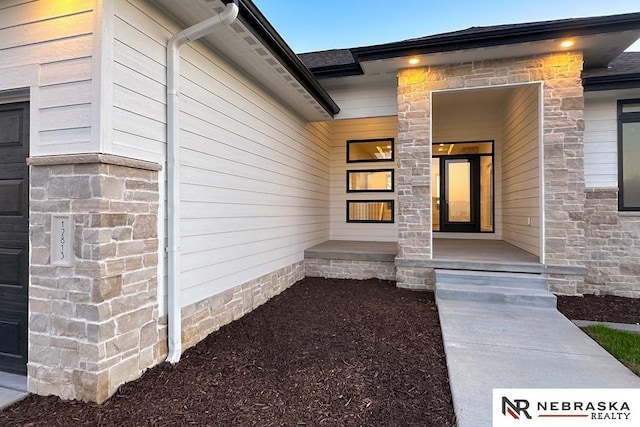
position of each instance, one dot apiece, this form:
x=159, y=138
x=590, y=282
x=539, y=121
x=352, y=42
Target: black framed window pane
x=486, y=193
x=631, y=107
x=462, y=148
x=370, y=150
x=370, y=180
x=630, y=161
x=370, y=211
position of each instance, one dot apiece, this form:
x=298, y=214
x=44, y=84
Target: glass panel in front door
x=458, y=190
x=486, y=193
x=435, y=193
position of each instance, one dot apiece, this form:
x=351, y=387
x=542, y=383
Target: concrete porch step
x=491, y=278
x=495, y=295
x=520, y=289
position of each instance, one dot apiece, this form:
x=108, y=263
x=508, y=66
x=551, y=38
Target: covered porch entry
x=532, y=108
x=486, y=172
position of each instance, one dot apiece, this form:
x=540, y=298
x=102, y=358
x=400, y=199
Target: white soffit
x=595, y=48
x=241, y=48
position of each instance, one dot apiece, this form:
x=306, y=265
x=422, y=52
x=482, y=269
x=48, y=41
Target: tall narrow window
x=629, y=155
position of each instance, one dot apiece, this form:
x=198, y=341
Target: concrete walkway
x=505, y=346
x=12, y=389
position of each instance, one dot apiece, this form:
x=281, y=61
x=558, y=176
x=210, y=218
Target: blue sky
x=310, y=25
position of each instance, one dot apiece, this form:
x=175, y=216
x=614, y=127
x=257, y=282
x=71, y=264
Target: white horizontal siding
x=59, y=42
x=600, y=143
x=521, y=170
x=371, y=101
x=341, y=131
x=254, y=177
x=139, y=76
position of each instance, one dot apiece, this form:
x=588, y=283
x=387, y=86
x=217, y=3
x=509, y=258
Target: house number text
x=62, y=232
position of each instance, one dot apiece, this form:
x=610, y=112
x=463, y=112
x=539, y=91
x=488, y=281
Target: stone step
x=495, y=295
x=491, y=278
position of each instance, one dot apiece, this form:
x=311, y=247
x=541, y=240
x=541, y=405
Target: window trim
x=355, y=141
x=631, y=117
x=352, y=171
x=366, y=221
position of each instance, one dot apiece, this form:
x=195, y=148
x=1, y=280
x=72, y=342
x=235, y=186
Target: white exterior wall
x=356, y=101
x=600, y=143
x=47, y=49
x=341, y=131
x=601, y=136
x=255, y=176
x=521, y=169
x=470, y=122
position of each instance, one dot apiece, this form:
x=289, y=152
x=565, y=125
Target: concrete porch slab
x=443, y=249
x=354, y=250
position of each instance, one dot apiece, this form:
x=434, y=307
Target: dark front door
x=461, y=208
x=14, y=236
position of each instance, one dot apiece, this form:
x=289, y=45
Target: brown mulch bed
x=323, y=353
x=606, y=308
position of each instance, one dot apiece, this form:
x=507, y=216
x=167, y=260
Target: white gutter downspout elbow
x=173, y=169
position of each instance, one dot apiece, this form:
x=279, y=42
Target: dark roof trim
x=264, y=31
x=344, y=70
x=500, y=35
x=622, y=81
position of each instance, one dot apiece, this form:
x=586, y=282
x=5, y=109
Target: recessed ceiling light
x=567, y=43
x=414, y=61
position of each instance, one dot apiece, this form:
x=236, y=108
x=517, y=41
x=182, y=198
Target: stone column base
x=415, y=278
x=565, y=284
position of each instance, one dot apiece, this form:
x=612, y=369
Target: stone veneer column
x=413, y=180
x=564, y=188
x=94, y=325
x=563, y=122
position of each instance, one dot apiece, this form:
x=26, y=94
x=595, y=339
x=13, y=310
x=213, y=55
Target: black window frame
x=629, y=117
x=356, y=141
x=366, y=221
x=352, y=171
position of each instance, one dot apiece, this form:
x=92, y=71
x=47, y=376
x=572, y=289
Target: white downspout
x=173, y=169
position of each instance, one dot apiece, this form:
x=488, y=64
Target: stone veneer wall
x=349, y=269
x=563, y=154
x=208, y=315
x=94, y=325
x=613, y=246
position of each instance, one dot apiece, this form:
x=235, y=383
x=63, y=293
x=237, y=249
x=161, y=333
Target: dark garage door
x=14, y=236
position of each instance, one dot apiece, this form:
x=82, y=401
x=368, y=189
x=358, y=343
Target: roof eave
x=497, y=37
x=613, y=82
x=333, y=71
x=263, y=30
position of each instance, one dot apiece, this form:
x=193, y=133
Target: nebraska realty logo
x=566, y=407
